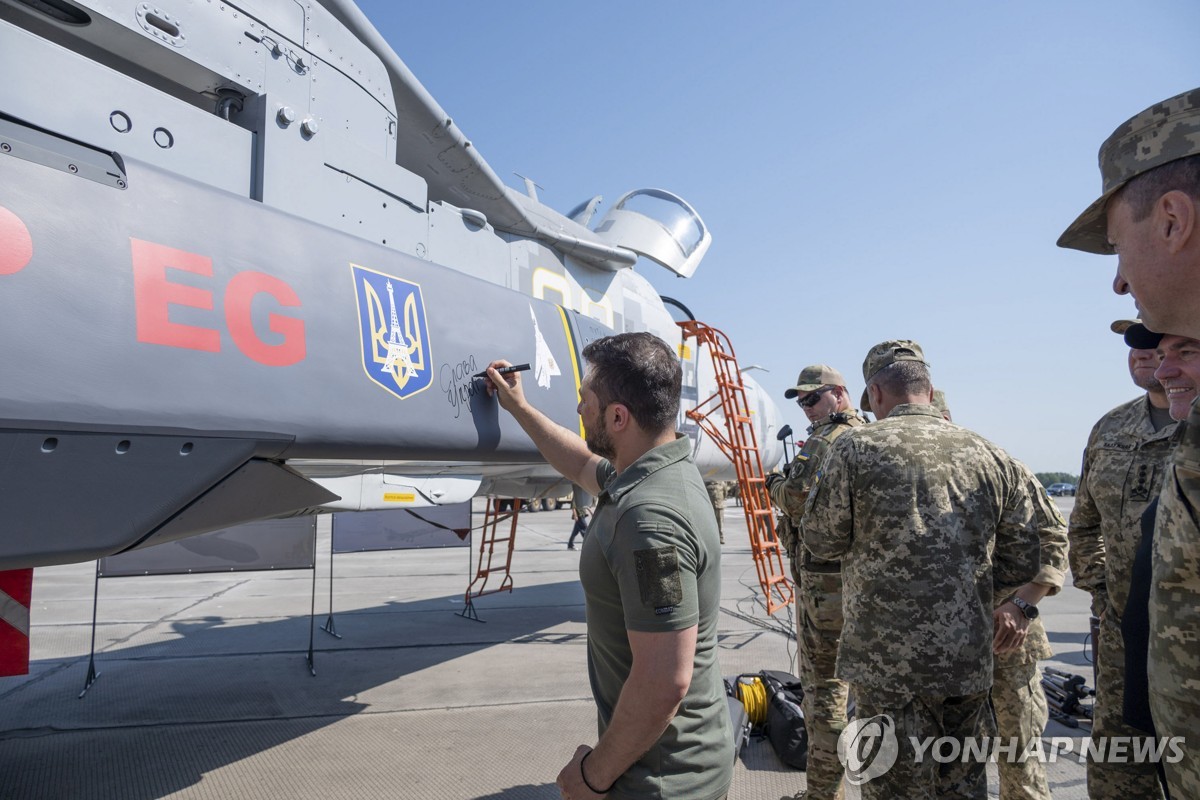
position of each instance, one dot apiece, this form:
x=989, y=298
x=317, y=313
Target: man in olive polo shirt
x=650, y=569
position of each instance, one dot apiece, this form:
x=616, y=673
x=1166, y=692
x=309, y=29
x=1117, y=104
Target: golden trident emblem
x=397, y=350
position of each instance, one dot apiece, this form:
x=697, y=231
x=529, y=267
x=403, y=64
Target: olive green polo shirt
x=652, y=562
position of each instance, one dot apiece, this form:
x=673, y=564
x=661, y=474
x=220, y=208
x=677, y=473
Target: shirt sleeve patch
x=659, y=580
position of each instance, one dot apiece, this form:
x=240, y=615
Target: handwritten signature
x=458, y=385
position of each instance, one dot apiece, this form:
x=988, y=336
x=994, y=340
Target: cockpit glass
x=679, y=221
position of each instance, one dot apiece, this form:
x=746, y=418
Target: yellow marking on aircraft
x=574, y=361
x=545, y=280
x=603, y=306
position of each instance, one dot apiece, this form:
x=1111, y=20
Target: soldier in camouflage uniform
x=821, y=391
x=1017, y=697
x=1174, y=651
x=1123, y=467
x=1020, y=642
x=718, y=491
x=1149, y=214
x=927, y=518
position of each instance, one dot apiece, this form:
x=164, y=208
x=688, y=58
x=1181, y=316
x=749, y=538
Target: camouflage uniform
x=1018, y=702
x=717, y=493
x=1017, y=697
x=927, y=518
x=1174, y=661
x=1123, y=468
x=818, y=613
x=785, y=529
x=1164, y=132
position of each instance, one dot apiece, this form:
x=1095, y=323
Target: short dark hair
x=641, y=372
x=903, y=378
x=1143, y=191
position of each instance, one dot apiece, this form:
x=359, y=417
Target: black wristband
x=588, y=783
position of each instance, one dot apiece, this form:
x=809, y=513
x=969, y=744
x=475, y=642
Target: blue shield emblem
x=394, y=334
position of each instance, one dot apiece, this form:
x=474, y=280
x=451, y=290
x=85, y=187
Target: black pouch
x=785, y=726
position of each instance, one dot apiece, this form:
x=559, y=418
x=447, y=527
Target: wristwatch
x=1029, y=610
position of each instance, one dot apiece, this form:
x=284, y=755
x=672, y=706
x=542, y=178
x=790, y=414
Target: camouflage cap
x=1122, y=325
x=1162, y=133
x=885, y=354
x=939, y=402
x=813, y=378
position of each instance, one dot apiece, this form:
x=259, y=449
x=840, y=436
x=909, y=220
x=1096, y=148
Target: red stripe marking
x=14, y=645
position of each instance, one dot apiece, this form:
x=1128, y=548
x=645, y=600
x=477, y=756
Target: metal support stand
x=312, y=614
x=329, y=627
x=92, y=675
x=468, y=611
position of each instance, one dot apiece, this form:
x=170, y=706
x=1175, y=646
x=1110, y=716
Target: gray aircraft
x=249, y=266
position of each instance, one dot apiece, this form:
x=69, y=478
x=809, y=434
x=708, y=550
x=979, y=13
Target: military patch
x=659, y=582
x=1145, y=477
x=395, y=343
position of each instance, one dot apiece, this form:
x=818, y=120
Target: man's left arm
x=790, y=491
x=1016, y=558
x=1011, y=626
x=658, y=681
x=827, y=526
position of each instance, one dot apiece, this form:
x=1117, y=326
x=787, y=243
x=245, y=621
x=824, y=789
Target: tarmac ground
x=204, y=689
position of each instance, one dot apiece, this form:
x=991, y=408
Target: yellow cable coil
x=753, y=694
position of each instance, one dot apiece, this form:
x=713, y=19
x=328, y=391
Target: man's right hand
x=562, y=447
x=505, y=388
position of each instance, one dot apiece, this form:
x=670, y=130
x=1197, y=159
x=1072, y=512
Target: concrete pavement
x=205, y=692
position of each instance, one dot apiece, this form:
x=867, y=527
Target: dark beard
x=600, y=443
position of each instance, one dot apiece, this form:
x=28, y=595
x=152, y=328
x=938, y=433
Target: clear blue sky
x=869, y=170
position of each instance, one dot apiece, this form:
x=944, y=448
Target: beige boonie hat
x=885, y=354
x=1163, y=133
x=813, y=378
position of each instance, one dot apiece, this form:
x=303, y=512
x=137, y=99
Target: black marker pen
x=503, y=370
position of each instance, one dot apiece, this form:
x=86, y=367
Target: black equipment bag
x=739, y=720
x=740, y=723
x=785, y=726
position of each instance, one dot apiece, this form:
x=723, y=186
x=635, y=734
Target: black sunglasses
x=812, y=398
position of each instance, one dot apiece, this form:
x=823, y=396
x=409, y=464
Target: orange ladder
x=740, y=443
x=487, y=550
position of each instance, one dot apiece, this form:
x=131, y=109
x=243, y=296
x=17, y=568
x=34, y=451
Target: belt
x=812, y=564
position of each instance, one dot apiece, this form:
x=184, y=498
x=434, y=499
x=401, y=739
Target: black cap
x=1139, y=337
